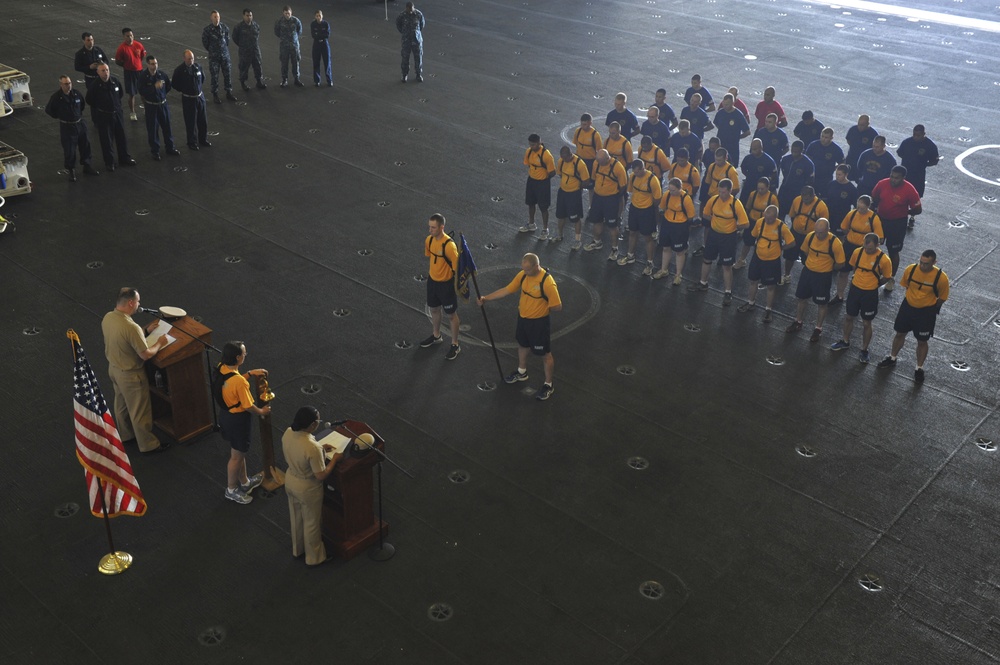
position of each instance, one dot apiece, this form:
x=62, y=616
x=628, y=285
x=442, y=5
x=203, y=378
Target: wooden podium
x=181, y=408
x=349, y=522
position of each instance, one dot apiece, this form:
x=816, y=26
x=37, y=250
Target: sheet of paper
x=337, y=440
x=162, y=328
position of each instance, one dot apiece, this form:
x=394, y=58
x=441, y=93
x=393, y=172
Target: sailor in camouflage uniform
x=410, y=24
x=246, y=36
x=215, y=39
x=287, y=29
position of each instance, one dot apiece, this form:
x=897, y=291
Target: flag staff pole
x=489, y=332
x=113, y=563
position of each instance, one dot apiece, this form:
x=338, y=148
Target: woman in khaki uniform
x=304, y=483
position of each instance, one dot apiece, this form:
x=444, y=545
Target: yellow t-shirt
x=689, y=176
x=609, y=179
x=757, y=204
x=539, y=163
x=443, y=258
x=572, y=174
x=715, y=174
x=920, y=286
x=818, y=252
x=804, y=215
x=677, y=208
x=536, y=298
x=726, y=216
x=587, y=143
x=769, y=247
x=656, y=161
x=858, y=225
x=868, y=268
x=644, y=190
x=237, y=391
x=620, y=150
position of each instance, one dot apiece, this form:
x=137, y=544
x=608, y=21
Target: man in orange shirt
x=538, y=188
x=678, y=213
x=726, y=218
x=927, y=288
x=538, y=297
x=443, y=254
x=644, y=190
x=770, y=236
x=823, y=253
x=573, y=177
x=871, y=268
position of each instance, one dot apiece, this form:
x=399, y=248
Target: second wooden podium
x=349, y=522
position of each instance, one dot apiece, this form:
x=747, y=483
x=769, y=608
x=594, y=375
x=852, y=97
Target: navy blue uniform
x=105, y=101
x=916, y=156
x=808, y=132
x=215, y=39
x=797, y=173
x=667, y=114
x=826, y=159
x=857, y=143
x=839, y=200
x=627, y=120
x=754, y=168
x=411, y=26
x=320, y=31
x=157, y=113
x=693, y=144
x=698, y=119
x=706, y=96
x=84, y=59
x=873, y=168
x=659, y=133
x=730, y=126
x=775, y=145
x=68, y=110
x=188, y=81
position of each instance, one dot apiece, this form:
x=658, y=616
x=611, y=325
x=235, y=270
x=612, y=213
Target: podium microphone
x=328, y=425
x=146, y=310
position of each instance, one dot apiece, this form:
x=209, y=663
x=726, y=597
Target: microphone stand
x=385, y=550
x=208, y=361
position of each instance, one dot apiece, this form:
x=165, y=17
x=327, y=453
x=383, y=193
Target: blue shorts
x=815, y=285
x=569, y=205
x=604, y=209
x=533, y=334
x=674, y=235
x=642, y=220
x=538, y=192
x=766, y=272
x=863, y=302
x=442, y=294
x=918, y=320
x=720, y=246
x=236, y=429
x=131, y=82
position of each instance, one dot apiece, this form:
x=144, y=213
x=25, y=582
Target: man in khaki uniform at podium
x=126, y=350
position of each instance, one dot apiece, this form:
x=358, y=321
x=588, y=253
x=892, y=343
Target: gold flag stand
x=273, y=476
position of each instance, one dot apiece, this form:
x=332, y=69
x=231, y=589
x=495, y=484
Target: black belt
x=154, y=103
x=71, y=122
x=193, y=96
x=103, y=111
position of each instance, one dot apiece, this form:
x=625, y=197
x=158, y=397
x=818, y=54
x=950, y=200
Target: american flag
x=98, y=446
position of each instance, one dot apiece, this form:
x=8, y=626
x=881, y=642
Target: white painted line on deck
x=916, y=14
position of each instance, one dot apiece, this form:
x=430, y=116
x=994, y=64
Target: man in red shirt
x=895, y=199
x=769, y=106
x=739, y=103
x=130, y=56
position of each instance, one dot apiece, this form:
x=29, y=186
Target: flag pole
x=489, y=332
x=113, y=563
